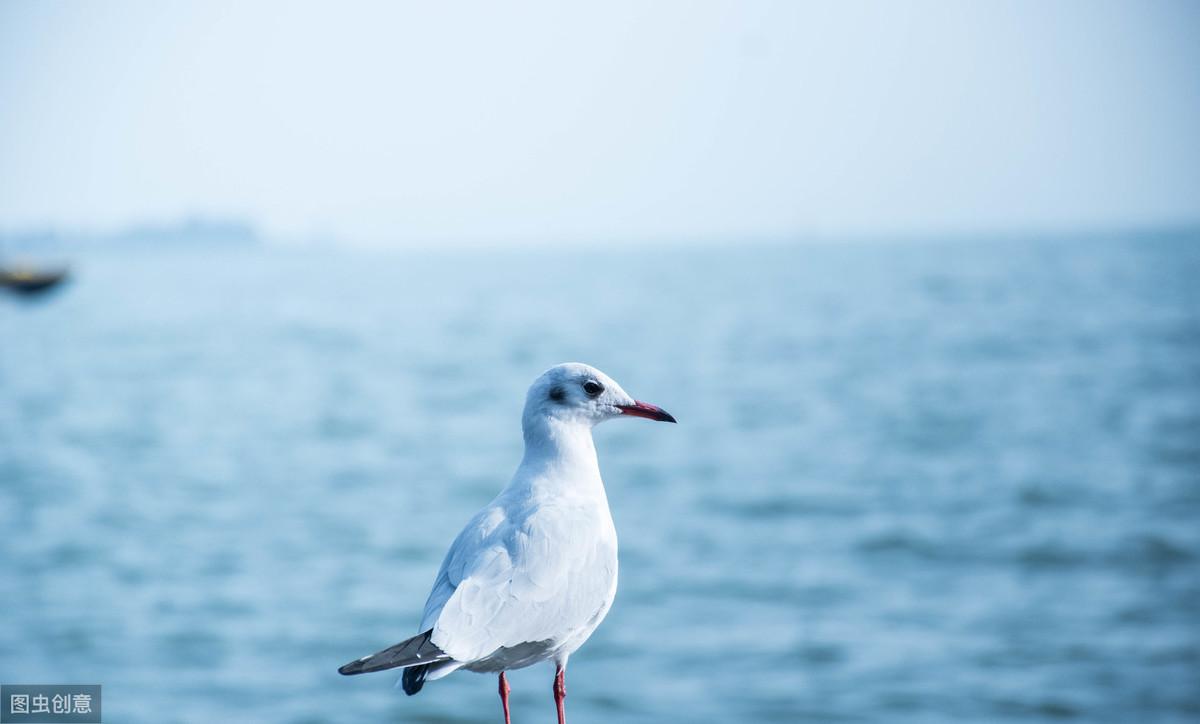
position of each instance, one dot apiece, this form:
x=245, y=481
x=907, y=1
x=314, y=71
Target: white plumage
x=533, y=574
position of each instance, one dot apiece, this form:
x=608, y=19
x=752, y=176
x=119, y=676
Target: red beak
x=646, y=410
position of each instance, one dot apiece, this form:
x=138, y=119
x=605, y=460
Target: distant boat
x=28, y=280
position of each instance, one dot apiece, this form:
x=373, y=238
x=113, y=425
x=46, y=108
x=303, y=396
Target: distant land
x=193, y=231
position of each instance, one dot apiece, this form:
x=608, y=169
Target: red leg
x=504, y=689
x=560, y=693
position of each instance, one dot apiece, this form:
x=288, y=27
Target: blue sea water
x=911, y=482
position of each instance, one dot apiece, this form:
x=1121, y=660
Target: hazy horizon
x=247, y=232
x=409, y=125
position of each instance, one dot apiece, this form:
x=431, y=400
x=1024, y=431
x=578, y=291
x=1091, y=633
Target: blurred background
x=919, y=281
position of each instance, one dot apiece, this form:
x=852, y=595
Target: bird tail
x=416, y=652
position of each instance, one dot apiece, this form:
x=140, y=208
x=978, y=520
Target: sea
x=913, y=480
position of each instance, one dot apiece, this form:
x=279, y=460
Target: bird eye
x=593, y=388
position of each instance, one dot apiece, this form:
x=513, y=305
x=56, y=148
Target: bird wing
x=411, y=652
x=538, y=574
x=475, y=537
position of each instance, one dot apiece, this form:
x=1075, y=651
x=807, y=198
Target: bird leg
x=560, y=693
x=504, y=689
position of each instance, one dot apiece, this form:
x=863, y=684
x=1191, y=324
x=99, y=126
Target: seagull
x=533, y=574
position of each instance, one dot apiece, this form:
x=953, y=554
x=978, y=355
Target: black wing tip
x=408, y=654
x=414, y=678
x=352, y=668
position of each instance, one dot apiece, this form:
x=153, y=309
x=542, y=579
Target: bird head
x=575, y=392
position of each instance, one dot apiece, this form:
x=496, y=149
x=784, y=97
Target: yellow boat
x=26, y=280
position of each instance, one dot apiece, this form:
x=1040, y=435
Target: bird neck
x=560, y=454
x=562, y=442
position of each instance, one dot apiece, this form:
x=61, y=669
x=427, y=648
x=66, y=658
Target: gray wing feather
x=417, y=650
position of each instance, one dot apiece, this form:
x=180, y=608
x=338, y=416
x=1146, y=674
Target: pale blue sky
x=433, y=122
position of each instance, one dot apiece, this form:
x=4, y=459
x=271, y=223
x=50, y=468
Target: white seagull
x=531, y=576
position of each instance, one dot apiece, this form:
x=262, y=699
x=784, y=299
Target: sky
x=433, y=123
